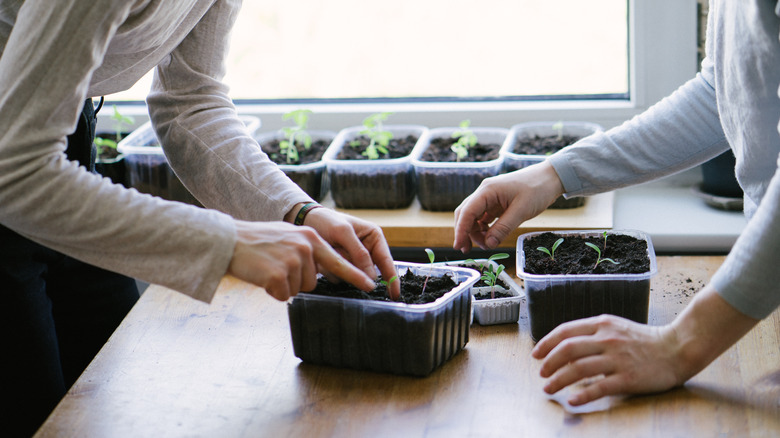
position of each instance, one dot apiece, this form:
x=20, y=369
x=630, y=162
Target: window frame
x=661, y=58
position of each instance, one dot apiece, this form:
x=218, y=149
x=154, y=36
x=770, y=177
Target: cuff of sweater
x=571, y=184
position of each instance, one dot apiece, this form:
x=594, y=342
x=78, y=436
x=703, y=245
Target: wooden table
x=177, y=367
x=415, y=227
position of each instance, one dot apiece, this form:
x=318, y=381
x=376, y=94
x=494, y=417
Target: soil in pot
x=305, y=156
x=396, y=148
x=574, y=257
x=440, y=149
x=552, y=302
x=415, y=289
x=543, y=145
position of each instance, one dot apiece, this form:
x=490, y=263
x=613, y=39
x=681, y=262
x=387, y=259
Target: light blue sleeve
x=679, y=132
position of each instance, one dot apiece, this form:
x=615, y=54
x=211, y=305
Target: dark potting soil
x=397, y=148
x=305, y=156
x=543, y=145
x=415, y=289
x=574, y=257
x=440, y=150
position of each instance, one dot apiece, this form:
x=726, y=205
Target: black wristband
x=301, y=216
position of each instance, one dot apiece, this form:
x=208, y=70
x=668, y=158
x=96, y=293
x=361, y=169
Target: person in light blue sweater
x=734, y=102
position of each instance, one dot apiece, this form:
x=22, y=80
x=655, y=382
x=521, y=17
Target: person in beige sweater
x=65, y=231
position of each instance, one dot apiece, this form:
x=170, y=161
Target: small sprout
x=120, y=120
x=605, y=240
x=431, y=257
x=298, y=132
x=599, y=259
x=490, y=278
x=387, y=282
x=551, y=252
x=466, y=139
x=558, y=127
x=379, y=139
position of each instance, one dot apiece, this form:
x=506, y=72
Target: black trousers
x=55, y=313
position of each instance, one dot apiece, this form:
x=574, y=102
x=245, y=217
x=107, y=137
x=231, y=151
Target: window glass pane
x=284, y=49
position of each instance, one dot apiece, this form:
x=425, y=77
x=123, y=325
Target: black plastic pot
x=554, y=299
x=388, y=337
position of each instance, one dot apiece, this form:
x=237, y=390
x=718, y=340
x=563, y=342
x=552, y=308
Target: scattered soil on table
x=414, y=289
x=397, y=148
x=440, y=150
x=305, y=156
x=543, y=145
x=574, y=257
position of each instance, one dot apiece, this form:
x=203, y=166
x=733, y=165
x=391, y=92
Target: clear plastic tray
x=504, y=310
x=514, y=161
x=380, y=336
x=311, y=177
x=381, y=183
x=442, y=186
x=555, y=298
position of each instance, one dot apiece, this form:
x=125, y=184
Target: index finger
x=333, y=262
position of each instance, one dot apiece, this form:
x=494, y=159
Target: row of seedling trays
x=440, y=180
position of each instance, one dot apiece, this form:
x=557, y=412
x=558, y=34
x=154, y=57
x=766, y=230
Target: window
x=502, y=61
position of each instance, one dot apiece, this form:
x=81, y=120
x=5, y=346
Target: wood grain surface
x=177, y=367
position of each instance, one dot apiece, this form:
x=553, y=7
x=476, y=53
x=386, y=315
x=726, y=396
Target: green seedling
x=497, y=256
x=599, y=259
x=295, y=135
x=431, y=258
x=466, y=139
x=605, y=240
x=558, y=127
x=387, y=282
x=120, y=120
x=488, y=276
x=551, y=252
x=379, y=139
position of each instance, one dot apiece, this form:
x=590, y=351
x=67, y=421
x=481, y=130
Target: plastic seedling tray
x=388, y=337
x=490, y=311
x=555, y=298
x=381, y=183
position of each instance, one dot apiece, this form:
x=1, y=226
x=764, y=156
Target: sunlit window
x=421, y=49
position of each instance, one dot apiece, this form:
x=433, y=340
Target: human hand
x=633, y=358
x=511, y=198
x=359, y=241
x=284, y=259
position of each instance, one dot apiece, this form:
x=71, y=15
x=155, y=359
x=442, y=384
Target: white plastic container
x=490, y=311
